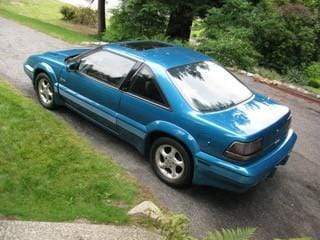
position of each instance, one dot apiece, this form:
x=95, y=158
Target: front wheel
x=171, y=162
x=45, y=91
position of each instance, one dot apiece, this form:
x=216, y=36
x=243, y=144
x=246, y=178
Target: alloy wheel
x=45, y=91
x=169, y=161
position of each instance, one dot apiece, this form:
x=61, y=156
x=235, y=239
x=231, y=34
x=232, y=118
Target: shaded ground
x=285, y=206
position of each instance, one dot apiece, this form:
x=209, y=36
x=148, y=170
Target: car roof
x=164, y=54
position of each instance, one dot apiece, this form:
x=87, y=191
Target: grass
x=45, y=17
x=48, y=172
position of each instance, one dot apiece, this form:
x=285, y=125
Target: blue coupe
x=192, y=118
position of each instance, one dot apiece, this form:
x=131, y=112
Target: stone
x=148, y=209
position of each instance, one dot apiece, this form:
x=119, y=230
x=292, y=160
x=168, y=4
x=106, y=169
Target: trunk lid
x=258, y=117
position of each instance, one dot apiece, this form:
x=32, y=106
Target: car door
x=93, y=89
x=142, y=102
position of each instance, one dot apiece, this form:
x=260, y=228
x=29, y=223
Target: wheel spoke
x=178, y=162
x=163, y=152
x=173, y=152
x=173, y=172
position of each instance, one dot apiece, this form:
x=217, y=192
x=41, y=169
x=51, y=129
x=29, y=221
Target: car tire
x=171, y=162
x=45, y=91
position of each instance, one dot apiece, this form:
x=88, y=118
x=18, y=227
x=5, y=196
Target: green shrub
x=79, y=15
x=283, y=33
x=313, y=74
x=137, y=19
x=68, y=12
x=285, y=36
x=175, y=227
x=229, y=41
x=85, y=16
x=296, y=76
x=231, y=51
x=314, y=83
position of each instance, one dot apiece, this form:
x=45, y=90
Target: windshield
x=207, y=86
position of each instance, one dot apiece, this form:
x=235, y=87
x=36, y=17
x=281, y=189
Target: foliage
x=296, y=76
x=232, y=234
x=229, y=41
x=49, y=172
x=230, y=50
x=136, y=19
x=68, y=12
x=313, y=74
x=175, y=227
x=85, y=16
x=283, y=35
x=79, y=15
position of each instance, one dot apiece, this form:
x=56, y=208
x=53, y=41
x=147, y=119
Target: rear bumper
x=216, y=172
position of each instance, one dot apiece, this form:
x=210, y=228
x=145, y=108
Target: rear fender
x=176, y=132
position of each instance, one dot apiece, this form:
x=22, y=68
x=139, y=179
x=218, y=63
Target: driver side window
x=144, y=85
x=106, y=67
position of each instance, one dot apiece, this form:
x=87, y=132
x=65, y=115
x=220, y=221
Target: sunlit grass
x=45, y=16
x=48, y=172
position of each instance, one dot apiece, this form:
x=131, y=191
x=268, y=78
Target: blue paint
x=206, y=135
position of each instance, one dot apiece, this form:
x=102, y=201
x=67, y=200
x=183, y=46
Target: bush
x=79, y=15
x=175, y=227
x=285, y=36
x=231, y=51
x=296, y=76
x=68, y=12
x=283, y=33
x=86, y=16
x=137, y=19
x=313, y=74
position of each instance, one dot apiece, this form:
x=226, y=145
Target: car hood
x=251, y=118
x=63, y=54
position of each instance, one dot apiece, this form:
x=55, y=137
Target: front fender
x=45, y=67
x=176, y=132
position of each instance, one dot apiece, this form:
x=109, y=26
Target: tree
x=101, y=16
x=182, y=14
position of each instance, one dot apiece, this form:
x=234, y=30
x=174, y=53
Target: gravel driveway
x=286, y=205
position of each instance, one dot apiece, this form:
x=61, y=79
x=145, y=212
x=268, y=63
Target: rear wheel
x=45, y=91
x=171, y=162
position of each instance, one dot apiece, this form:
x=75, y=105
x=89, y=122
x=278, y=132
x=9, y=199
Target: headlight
x=244, y=150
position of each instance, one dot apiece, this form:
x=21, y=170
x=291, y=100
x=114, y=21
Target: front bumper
x=216, y=172
x=29, y=70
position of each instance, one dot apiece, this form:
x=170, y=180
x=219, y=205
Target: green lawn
x=48, y=172
x=45, y=16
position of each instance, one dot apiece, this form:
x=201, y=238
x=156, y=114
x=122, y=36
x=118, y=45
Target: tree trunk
x=180, y=22
x=101, y=16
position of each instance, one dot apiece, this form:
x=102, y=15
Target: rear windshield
x=207, y=86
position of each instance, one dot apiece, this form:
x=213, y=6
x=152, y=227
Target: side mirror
x=73, y=66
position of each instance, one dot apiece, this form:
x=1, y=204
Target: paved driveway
x=285, y=206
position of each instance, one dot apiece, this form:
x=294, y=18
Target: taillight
x=244, y=150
